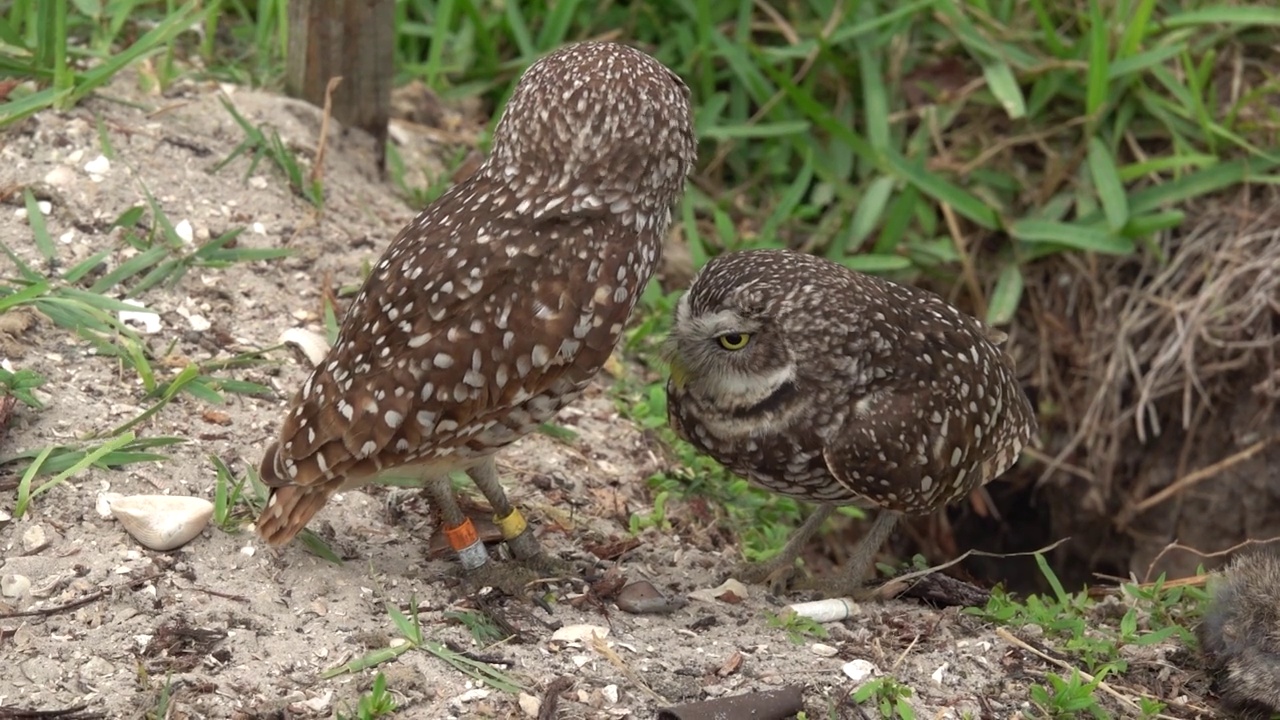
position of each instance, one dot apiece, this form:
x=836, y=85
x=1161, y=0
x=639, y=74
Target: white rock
x=104, y=503
x=199, y=323
x=939, y=673
x=259, y=228
x=60, y=176
x=183, y=230
x=162, y=522
x=33, y=537
x=858, y=670
x=610, y=693
x=318, y=704
x=97, y=168
x=149, y=320
x=66, y=237
x=530, y=705
x=471, y=696
x=14, y=585
x=823, y=650
x=714, y=594
x=579, y=633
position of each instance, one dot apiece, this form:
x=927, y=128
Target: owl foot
x=776, y=574
x=549, y=566
x=841, y=586
x=514, y=579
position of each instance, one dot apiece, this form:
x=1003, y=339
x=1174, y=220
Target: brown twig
x=551, y=698
x=317, y=168
x=91, y=597
x=1102, y=684
x=78, y=712
x=1191, y=479
x=1219, y=553
x=215, y=593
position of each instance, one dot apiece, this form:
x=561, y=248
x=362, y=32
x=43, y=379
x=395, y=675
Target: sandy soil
x=241, y=631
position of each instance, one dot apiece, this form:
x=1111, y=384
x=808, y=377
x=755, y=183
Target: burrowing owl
x=839, y=388
x=501, y=300
x=1240, y=635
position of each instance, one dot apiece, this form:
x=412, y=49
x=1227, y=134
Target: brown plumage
x=1240, y=635
x=840, y=388
x=501, y=300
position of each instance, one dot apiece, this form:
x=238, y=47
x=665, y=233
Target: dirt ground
x=242, y=631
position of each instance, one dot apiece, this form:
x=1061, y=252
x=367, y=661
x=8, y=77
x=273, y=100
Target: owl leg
x=850, y=582
x=516, y=532
x=465, y=541
x=777, y=570
x=458, y=528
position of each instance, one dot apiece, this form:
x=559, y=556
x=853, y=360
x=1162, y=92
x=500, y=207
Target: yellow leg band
x=511, y=525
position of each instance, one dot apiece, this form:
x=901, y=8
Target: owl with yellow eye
x=840, y=388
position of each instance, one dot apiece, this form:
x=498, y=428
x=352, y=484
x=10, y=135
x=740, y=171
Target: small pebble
x=858, y=670
x=60, y=176
x=149, y=321
x=183, y=230
x=530, y=705
x=97, y=168
x=730, y=591
x=103, y=506
x=579, y=633
x=319, y=703
x=199, y=323
x=14, y=585
x=641, y=598
x=34, y=538
x=823, y=650
x=470, y=696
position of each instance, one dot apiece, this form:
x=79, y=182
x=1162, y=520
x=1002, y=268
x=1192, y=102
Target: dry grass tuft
x=1130, y=346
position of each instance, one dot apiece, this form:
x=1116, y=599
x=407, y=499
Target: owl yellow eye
x=734, y=341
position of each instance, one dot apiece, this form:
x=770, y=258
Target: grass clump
x=886, y=696
x=376, y=703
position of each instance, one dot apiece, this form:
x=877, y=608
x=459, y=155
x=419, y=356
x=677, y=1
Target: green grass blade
x=1106, y=181
x=39, y=231
x=943, y=191
x=1065, y=235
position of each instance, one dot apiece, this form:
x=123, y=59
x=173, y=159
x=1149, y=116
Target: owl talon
x=838, y=587
x=776, y=576
x=547, y=566
x=512, y=579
